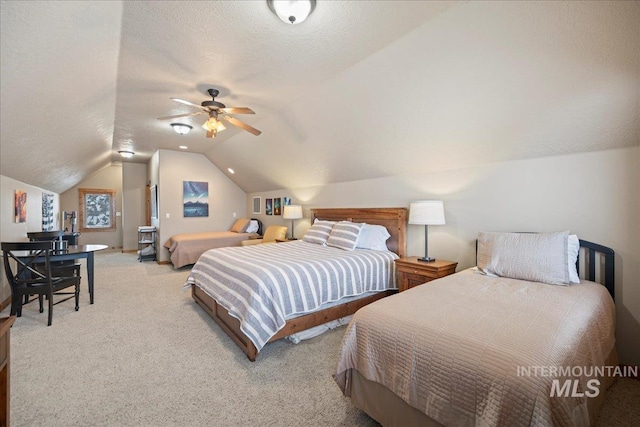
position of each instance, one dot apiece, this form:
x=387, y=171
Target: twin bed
x=467, y=349
x=186, y=248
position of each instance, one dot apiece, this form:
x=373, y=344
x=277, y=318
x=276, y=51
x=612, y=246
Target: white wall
x=109, y=178
x=11, y=231
x=592, y=194
x=225, y=197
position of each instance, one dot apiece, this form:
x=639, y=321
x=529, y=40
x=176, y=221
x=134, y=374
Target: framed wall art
x=257, y=205
x=195, y=196
x=97, y=209
x=277, y=209
x=47, y=212
x=153, y=201
x=20, y=206
x=268, y=206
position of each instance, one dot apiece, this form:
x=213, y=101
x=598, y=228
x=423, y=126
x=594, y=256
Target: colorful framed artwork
x=195, y=199
x=20, y=206
x=268, y=206
x=286, y=201
x=277, y=210
x=97, y=209
x=257, y=205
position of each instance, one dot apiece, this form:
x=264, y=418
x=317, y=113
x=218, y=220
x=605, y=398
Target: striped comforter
x=262, y=285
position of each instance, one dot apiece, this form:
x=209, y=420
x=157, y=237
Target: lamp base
x=426, y=259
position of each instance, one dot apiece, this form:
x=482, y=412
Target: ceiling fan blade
x=182, y=101
x=180, y=115
x=242, y=125
x=236, y=110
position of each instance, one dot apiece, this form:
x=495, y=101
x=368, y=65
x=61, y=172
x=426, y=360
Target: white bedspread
x=451, y=348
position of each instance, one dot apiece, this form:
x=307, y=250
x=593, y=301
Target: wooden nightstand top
x=438, y=264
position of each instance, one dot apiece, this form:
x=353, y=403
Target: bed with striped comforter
x=264, y=285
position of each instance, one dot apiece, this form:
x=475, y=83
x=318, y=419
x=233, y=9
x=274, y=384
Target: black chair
x=64, y=268
x=28, y=275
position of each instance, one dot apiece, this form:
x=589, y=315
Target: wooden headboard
x=394, y=219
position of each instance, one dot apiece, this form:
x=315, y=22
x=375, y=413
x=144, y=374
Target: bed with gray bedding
x=472, y=349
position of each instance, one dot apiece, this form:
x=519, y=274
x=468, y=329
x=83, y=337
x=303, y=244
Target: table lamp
x=427, y=212
x=292, y=212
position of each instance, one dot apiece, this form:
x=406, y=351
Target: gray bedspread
x=262, y=285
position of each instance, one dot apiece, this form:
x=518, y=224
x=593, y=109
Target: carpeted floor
x=145, y=355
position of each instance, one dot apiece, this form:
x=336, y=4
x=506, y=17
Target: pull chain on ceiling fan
x=217, y=111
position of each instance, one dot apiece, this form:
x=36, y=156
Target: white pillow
x=538, y=257
x=344, y=235
x=319, y=232
x=373, y=237
x=573, y=247
x=253, y=227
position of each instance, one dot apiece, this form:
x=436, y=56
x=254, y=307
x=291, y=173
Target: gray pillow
x=537, y=257
x=344, y=235
x=319, y=232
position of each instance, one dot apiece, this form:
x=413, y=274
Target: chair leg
x=16, y=306
x=77, y=297
x=40, y=301
x=50, y=297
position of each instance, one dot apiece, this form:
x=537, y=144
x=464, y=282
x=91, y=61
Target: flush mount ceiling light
x=181, y=128
x=126, y=154
x=292, y=11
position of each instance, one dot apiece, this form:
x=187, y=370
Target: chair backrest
x=41, y=236
x=27, y=258
x=274, y=232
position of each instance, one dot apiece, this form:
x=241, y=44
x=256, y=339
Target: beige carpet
x=145, y=355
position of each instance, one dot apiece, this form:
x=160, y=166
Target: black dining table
x=74, y=252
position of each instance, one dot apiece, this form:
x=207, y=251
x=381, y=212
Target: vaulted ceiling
x=82, y=80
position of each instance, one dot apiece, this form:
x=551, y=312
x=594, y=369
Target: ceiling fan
x=216, y=111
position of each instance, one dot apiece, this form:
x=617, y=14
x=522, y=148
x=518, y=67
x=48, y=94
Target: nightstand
x=412, y=272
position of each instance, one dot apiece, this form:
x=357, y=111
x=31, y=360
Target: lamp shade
x=427, y=212
x=292, y=212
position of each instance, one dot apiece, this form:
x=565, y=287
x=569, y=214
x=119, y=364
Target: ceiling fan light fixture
x=181, y=128
x=126, y=154
x=213, y=125
x=292, y=11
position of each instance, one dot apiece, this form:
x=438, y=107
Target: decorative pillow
x=274, y=232
x=252, y=227
x=573, y=248
x=538, y=257
x=319, y=232
x=373, y=237
x=344, y=235
x=240, y=225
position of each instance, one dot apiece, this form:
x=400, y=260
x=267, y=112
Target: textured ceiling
x=362, y=89
x=82, y=80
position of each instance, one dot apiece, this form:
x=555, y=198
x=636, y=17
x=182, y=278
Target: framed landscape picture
x=268, y=206
x=195, y=196
x=277, y=209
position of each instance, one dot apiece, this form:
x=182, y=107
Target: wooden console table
x=5, y=399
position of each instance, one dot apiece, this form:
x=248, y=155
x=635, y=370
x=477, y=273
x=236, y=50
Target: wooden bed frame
x=394, y=219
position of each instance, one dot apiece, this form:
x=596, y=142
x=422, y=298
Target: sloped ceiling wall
x=362, y=89
x=479, y=83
